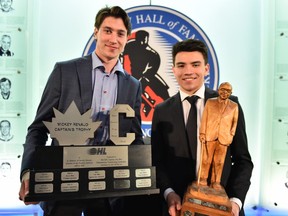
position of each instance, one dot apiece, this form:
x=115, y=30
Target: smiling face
x=190, y=71
x=5, y=42
x=111, y=39
x=5, y=5
x=5, y=87
x=5, y=128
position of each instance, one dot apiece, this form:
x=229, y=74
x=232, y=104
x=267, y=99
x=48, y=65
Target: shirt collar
x=200, y=93
x=96, y=63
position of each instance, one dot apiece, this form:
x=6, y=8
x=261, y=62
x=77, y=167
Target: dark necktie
x=191, y=126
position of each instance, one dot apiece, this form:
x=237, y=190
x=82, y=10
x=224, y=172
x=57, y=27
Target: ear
x=173, y=69
x=207, y=69
x=95, y=33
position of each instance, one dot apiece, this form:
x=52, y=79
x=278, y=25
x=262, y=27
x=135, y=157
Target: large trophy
x=206, y=196
x=79, y=171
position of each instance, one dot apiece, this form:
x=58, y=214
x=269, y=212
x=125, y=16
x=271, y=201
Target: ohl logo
x=148, y=54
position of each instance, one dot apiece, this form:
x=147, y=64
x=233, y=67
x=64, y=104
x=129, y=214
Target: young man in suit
x=98, y=82
x=176, y=162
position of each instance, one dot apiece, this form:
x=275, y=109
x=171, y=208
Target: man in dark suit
x=176, y=163
x=98, y=82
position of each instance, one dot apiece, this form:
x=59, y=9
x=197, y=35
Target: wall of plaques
x=274, y=192
x=279, y=169
x=13, y=87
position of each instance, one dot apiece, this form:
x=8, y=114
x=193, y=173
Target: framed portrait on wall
x=13, y=14
x=12, y=93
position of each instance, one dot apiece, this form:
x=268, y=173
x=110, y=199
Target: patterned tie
x=191, y=126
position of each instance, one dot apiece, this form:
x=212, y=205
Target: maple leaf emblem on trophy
x=72, y=128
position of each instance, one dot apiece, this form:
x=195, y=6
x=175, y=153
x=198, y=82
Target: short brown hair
x=116, y=12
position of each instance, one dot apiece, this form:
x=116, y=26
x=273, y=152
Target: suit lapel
x=84, y=71
x=209, y=93
x=122, y=90
x=176, y=106
x=177, y=110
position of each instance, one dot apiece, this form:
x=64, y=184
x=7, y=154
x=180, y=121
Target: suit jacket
x=172, y=156
x=72, y=81
x=217, y=123
x=7, y=53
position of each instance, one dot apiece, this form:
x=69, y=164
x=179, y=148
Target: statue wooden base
x=204, y=200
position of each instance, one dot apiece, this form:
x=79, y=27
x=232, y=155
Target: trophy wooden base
x=204, y=200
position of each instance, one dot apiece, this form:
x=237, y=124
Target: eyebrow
x=194, y=62
x=118, y=30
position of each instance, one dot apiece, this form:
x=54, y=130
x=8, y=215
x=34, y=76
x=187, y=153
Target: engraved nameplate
x=95, y=157
x=70, y=176
x=141, y=183
x=43, y=188
x=44, y=177
x=96, y=174
x=141, y=173
x=121, y=173
x=70, y=187
x=97, y=185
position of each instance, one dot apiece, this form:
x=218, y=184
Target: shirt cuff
x=167, y=191
x=26, y=176
x=237, y=201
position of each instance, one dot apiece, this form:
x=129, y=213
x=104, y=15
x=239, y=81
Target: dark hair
x=5, y=121
x=4, y=79
x=116, y=12
x=190, y=45
x=5, y=163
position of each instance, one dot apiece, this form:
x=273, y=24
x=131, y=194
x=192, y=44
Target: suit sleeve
x=136, y=128
x=242, y=165
x=37, y=132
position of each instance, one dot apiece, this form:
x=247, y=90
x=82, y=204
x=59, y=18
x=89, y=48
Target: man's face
x=111, y=38
x=5, y=128
x=190, y=71
x=5, y=43
x=6, y=4
x=5, y=169
x=5, y=87
x=225, y=90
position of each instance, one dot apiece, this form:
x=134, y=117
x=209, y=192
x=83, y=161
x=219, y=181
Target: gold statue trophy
x=218, y=126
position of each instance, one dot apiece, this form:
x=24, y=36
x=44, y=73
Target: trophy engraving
x=96, y=174
x=43, y=188
x=44, y=177
x=141, y=173
x=140, y=183
x=97, y=186
x=123, y=173
x=70, y=176
x=108, y=156
x=70, y=187
x=68, y=127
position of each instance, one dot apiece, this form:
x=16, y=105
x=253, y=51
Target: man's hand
x=174, y=203
x=24, y=190
x=235, y=209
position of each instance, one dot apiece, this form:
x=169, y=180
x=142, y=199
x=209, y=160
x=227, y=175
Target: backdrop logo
x=147, y=55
